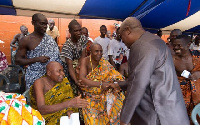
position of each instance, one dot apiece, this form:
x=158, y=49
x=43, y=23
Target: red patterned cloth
x=191, y=89
x=3, y=61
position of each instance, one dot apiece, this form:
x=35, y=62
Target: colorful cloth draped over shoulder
x=59, y=93
x=96, y=112
x=191, y=89
x=15, y=111
x=47, y=47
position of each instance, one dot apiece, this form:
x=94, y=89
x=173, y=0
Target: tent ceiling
x=156, y=14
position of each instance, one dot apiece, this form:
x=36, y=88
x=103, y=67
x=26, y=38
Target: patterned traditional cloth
x=59, y=93
x=3, y=61
x=89, y=43
x=191, y=89
x=15, y=111
x=96, y=112
x=47, y=47
x=72, y=50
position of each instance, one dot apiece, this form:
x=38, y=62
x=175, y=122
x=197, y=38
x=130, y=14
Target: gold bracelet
x=100, y=84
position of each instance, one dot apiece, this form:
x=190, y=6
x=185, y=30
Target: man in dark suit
x=153, y=92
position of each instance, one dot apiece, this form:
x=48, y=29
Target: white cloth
x=117, y=48
x=104, y=42
x=74, y=119
x=194, y=47
x=91, y=39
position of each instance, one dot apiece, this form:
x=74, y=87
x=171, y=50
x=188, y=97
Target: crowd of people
x=131, y=78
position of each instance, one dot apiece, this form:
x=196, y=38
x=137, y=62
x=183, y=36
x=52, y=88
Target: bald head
x=24, y=30
x=131, y=22
x=55, y=72
x=174, y=33
x=94, y=45
x=51, y=65
x=96, y=52
x=131, y=30
x=37, y=16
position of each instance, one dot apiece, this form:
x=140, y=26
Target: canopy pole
x=138, y=8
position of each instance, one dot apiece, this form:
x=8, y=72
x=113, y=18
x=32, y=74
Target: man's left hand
x=195, y=75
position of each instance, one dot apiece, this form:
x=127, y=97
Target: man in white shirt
x=116, y=50
x=103, y=41
x=52, y=30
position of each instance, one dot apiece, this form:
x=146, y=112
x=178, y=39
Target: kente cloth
x=191, y=89
x=15, y=111
x=47, y=47
x=96, y=113
x=59, y=93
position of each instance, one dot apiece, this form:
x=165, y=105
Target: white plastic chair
x=195, y=111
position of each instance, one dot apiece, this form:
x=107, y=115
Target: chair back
x=195, y=111
x=4, y=88
x=27, y=96
x=16, y=75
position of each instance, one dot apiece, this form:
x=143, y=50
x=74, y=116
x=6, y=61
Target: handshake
x=112, y=87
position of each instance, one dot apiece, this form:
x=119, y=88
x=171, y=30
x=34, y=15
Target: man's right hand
x=116, y=87
x=77, y=102
x=43, y=59
x=105, y=86
x=81, y=84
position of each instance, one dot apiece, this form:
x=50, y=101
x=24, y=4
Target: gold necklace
x=91, y=63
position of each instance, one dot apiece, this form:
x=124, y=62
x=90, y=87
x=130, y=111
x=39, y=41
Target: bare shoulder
x=85, y=60
x=24, y=40
x=39, y=83
x=17, y=36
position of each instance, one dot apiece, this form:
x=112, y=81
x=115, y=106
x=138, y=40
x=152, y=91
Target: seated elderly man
x=53, y=96
x=96, y=73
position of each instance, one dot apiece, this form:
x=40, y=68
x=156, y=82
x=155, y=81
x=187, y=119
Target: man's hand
x=43, y=59
x=122, y=123
x=105, y=86
x=114, y=86
x=78, y=102
x=81, y=84
x=195, y=75
x=69, y=113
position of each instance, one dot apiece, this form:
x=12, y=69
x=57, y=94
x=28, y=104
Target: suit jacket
x=153, y=95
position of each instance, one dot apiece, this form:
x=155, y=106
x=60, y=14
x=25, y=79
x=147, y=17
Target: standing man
x=15, y=42
x=24, y=32
x=116, y=51
x=153, y=93
x=84, y=31
x=174, y=33
x=36, y=50
x=52, y=30
x=187, y=61
x=74, y=50
x=103, y=41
